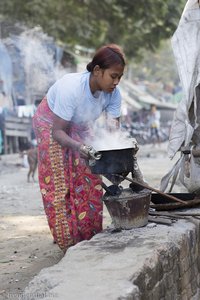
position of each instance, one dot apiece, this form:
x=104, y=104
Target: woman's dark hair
x=107, y=56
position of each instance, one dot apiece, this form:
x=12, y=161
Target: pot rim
x=135, y=196
x=117, y=149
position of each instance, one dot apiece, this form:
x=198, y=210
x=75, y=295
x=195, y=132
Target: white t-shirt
x=71, y=99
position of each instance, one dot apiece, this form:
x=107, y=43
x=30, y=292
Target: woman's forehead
x=118, y=68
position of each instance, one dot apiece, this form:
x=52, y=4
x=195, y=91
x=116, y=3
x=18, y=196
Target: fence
x=16, y=133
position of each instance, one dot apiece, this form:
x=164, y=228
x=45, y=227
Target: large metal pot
x=115, y=161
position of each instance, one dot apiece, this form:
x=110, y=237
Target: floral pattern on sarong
x=71, y=193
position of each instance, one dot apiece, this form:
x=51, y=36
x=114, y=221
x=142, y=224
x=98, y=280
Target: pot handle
x=94, y=156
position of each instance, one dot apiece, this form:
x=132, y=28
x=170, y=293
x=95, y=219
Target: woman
x=62, y=123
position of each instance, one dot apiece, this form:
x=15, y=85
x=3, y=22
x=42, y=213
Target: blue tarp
x=5, y=71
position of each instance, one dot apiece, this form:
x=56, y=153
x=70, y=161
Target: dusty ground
x=26, y=245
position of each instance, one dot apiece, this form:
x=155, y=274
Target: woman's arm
x=59, y=132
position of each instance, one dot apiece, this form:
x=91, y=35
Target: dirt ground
x=26, y=245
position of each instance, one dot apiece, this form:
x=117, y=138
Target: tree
x=132, y=24
x=158, y=66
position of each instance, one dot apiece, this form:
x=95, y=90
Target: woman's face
x=108, y=79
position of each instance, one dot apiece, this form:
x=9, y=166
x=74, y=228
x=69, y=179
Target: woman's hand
x=84, y=151
x=88, y=152
x=59, y=131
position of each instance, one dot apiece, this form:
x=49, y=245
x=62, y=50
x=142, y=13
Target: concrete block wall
x=175, y=272
x=154, y=262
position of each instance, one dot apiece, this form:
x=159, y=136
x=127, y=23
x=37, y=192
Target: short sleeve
x=64, y=103
x=113, y=109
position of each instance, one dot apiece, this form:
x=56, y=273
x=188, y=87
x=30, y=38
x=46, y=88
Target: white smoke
x=104, y=139
x=36, y=62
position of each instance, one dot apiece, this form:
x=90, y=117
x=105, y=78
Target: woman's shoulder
x=117, y=91
x=72, y=81
x=116, y=94
x=74, y=78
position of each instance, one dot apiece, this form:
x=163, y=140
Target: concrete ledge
x=156, y=262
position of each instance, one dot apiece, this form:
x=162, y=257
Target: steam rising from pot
x=106, y=140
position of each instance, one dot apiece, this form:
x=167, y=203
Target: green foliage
x=133, y=24
x=157, y=67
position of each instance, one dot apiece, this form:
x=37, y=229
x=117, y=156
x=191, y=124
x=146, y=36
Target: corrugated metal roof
x=142, y=97
x=135, y=105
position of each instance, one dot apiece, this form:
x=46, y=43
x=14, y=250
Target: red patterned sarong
x=71, y=193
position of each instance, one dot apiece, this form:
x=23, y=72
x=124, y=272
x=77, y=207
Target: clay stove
x=129, y=209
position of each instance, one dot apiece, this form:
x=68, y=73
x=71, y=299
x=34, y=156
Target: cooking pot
x=114, y=161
